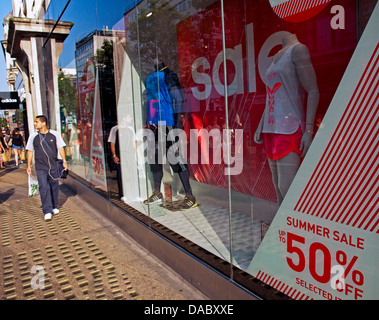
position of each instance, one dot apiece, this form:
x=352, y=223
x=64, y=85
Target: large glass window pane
x=129, y=89
x=76, y=98
x=54, y=9
x=87, y=92
x=239, y=43
x=161, y=93
x=198, y=130
x=201, y=72
x=117, y=112
x=300, y=57
x=260, y=34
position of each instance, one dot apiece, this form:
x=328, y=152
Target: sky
x=82, y=13
x=5, y=8
x=88, y=16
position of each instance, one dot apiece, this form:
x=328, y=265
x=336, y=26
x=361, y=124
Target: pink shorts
x=279, y=145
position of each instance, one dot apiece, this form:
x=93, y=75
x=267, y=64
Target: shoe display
x=47, y=216
x=55, y=211
x=188, y=203
x=156, y=196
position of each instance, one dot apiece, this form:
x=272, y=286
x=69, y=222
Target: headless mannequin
x=284, y=169
x=175, y=92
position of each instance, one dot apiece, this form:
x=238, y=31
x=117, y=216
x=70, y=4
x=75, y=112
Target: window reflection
x=232, y=149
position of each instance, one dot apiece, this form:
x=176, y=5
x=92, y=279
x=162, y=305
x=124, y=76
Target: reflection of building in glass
x=184, y=7
x=87, y=46
x=69, y=73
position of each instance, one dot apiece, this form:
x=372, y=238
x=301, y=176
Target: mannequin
x=164, y=103
x=284, y=128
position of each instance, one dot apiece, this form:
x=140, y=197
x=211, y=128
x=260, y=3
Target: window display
x=219, y=120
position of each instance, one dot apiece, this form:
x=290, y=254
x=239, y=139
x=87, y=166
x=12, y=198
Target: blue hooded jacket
x=159, y=104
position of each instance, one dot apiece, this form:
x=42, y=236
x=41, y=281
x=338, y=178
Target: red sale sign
x=97, y=172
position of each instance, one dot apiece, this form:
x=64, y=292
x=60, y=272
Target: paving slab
x=78, y=255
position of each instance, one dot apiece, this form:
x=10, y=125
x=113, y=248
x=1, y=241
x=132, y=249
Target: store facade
x=252, y=172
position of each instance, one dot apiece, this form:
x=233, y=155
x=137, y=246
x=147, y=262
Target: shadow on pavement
x=4, y=196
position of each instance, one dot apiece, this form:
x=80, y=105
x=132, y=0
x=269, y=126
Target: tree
x=67, y=93
x=3, y=122
x=104, y=57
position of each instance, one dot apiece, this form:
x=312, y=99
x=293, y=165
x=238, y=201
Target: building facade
x=33, y=45
x=246, y=135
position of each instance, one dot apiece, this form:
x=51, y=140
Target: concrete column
x=36, y=85
x=28, y=97
x=30, y=75
x=37, y=60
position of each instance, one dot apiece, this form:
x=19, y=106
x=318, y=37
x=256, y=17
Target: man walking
x=45, y=145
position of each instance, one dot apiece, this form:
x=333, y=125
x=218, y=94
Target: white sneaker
x=55, y=211
x=47, y=216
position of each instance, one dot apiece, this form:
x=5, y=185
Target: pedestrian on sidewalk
x=18, y=145
x=8, y=140
x=45, y=144
x=3, y=149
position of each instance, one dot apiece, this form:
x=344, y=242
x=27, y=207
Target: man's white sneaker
x=55, y=211
x=47, y=216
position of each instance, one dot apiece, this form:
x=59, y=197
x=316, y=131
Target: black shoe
x=155, y=197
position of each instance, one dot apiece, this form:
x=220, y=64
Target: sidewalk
x=78, y=255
